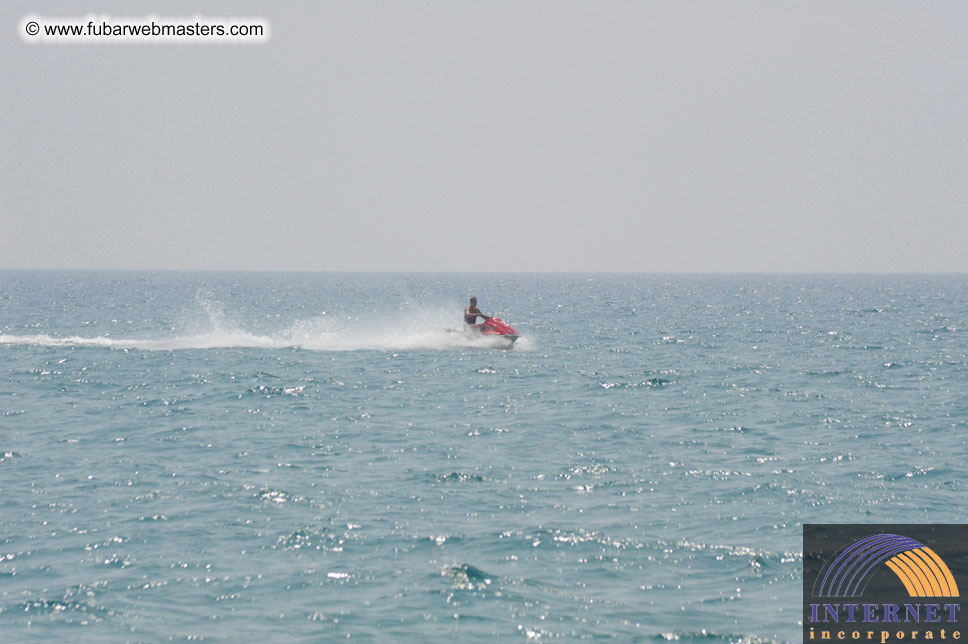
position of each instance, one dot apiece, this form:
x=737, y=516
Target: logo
x=883, y=583
x=919, y=568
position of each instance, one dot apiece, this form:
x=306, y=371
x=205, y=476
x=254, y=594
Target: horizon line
x=472, y=272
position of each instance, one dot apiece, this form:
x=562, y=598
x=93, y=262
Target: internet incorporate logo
x=883, y=583
x=919, y=568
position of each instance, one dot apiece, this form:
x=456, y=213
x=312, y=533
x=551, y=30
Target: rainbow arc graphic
x=922, y=572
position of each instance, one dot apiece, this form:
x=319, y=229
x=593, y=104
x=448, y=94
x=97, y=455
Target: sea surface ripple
x=305, y=457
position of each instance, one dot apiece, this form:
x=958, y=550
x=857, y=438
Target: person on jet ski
x=471, y=313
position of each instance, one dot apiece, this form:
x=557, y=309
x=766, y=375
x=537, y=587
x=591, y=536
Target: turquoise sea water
x=312, y=457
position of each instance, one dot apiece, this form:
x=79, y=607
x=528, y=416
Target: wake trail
x=337, y=342
x=322, y=333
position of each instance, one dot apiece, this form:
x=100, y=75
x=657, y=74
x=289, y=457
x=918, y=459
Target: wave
x=323, y=333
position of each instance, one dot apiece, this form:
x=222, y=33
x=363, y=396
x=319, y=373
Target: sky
x=547, y=135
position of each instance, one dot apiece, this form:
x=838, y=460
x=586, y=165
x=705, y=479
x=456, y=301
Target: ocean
x=313, y=457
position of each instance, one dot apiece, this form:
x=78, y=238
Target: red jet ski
x=498, y=327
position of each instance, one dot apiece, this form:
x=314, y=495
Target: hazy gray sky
x=518, y=136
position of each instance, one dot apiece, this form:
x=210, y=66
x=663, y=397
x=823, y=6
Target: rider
x=471, y=313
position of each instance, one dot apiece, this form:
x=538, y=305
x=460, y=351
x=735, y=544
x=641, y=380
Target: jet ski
x=491, y=327
x=497, y=327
